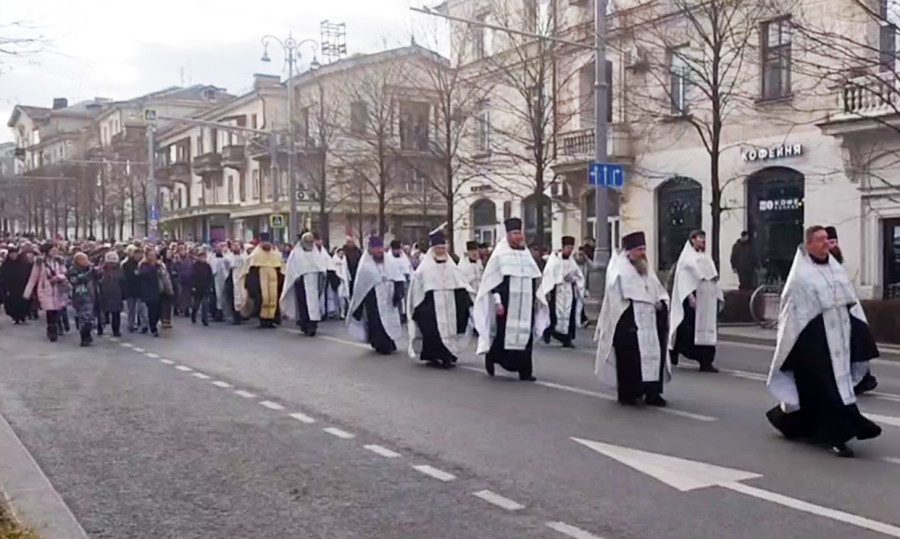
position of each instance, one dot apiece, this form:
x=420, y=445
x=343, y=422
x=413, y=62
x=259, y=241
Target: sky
x=99, y=48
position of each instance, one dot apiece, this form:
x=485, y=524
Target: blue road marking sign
x=606, y=174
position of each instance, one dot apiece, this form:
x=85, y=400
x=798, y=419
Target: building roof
x=35, y=113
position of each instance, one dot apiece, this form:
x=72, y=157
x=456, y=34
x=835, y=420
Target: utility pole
x=152, y=192
x=601, y=98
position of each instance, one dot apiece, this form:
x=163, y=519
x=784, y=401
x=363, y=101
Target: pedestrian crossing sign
x=276, y=220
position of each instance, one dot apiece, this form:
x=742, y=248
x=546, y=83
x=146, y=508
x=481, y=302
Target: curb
x=889, y=352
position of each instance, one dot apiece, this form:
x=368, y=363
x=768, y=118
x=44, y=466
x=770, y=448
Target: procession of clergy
x=819, y=367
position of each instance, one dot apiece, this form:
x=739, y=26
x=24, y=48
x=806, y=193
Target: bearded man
x=471, y=266
x=304, y=284
x=377, y=296
x=263, y=278
x=631, y=330
x=563, y=286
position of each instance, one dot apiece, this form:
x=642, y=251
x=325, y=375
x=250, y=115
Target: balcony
x=130, y=135
x=577, y=147
x=233, y=157
x=209, y=167
x=177, y=172
x=864, y=103
x=19, y=153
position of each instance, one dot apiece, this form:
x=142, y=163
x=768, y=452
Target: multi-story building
x=777, y=166
x=10, y=214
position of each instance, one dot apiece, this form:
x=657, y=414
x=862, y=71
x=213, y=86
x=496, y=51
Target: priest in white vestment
x=234, y=261
x=508, y=310
x=695, y=305
x=471, y=266
x=439, y=302
x=374, y=312
x=406, y=268
x=220, y=276
x=563, y=286
x=340, y=295
x=822, y=332
x=632, y=328
x=303, y=285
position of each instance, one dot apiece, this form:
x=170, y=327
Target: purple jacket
x=185, y=268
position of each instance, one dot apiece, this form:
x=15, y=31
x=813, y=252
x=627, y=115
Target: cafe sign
x=775, y=152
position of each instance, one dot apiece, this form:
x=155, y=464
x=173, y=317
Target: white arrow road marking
x=686, y=475
x=886, y=419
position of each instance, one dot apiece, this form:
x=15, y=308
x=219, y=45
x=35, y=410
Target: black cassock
x=433, y=348
x=379, y=339
x=629, y=379
x=14, y=275
x=684, y=339
x=562, y=337
x=307, y=326
x=823, y=417
x=511, y=360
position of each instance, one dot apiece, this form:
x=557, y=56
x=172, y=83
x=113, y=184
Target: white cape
x=555, y=273
x=472, y=271
x=382, y=278
x=302, y=263
x=505, y=261
x=624, y=287
x=695, y=272
x=234, y=264
x=442, y=279
x=220, y=275
x=807, y=294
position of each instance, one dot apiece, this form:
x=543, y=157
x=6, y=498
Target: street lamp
x=291, y=50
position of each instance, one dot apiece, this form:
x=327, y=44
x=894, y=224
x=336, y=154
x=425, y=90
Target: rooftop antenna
x=333, y=41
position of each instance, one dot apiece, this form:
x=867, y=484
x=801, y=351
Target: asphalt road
x=221, y=432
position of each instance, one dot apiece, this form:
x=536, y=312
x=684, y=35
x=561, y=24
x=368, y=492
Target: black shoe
x=708, y=367
x=117, y=334
x=155, y=333
x=99, y=332
x=568, y=344
x=85, y=343
x=528, y=378
x=868, y=383
x=206, y=322
x=144, y=331
x=53, y=334
x=673, y=358
x=489, y=366
x=655, y=400
x=841, y=450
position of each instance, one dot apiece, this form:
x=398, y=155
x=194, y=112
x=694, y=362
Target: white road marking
x=886, y=419
x=245, y=394
x=182, y=368
x=571, y=531
x=498, y=500
x=892, y=460
x=383, y=451
x=303, y=418
x=342, y=434
x=223, y=385
x=201, y=376
x=138, y=350
x=272, y=405
x=886, y=396
x=126, y=344
x=165, y=361
x=342, y=341
x=151, y=355
x=436, y=473
x=744, y=374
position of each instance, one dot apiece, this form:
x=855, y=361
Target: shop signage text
x=481, y=188
x=781, y=204
x=775, y=152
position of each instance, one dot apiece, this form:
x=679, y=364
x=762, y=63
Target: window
x=255, y=187
x=776, y=58
x=253, y=124
x=679, y=76
x=200, y=144
x=484, y=39
x=301, y=126
x=887, y=38
x=537, y=16
x=414, y=126
x=507, y=210
x=414, y=181
x=103, y=138
x=359, y=117
x=483, y=133
x=242, y=188
x=230, y=188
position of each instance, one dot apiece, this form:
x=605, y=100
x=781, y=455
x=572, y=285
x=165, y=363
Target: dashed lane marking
x=886, y=396
x=165, y=361
x=892, y=460
x=138, y=350
x=498, y=500
x=183, y=368
x=436, y=473
x=223, y=385
x=271, y=405
x=303, y=418
x=886, y=419
x=571, y=531
x=126, y=344
x=342, y=434
x=245, y=394
x=383, y=451
x=151, y=355
x=342, y=341
x=201, y=376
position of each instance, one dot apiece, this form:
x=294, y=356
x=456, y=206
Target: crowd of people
x=504, y=296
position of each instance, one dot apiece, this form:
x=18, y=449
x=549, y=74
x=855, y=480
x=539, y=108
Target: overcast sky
x=101, y=48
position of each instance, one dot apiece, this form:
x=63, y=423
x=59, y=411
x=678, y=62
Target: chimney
x=265, y=81
x=60, y=103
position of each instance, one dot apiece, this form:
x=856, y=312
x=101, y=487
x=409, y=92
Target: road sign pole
x=601, y=98
x=152, y=194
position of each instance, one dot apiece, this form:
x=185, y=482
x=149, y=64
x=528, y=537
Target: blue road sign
x=606, y=174
x=154, y=213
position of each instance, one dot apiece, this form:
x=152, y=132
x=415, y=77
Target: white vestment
x=382, y=278
x=472, y=271
x=564, y=276
x=520, y=267
x=811, y=290
x=626, y=287
x=310, y=266
x=442, y=279
x=695, y=272
x=220, y=275
x=234, y=264
x=336, y=298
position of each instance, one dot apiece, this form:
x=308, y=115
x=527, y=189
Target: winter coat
x=112, y=288
x=84, y=287
x=201, y=279
x=148, y=273
x=184, y=269
x=131, y=286
x=48, y=279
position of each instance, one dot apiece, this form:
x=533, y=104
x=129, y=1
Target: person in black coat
x=150, y=289
x=14, y=274
x=202, y=288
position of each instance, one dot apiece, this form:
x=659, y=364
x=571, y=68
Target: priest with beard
x=695, y=305
x=471, y=266
x=863, y=379
x=262, y=278
x=632, y=328
x=509, y=312
x=374, y=312
x=563, y=286
x=439, y=303
x=304, y=284
x=822, y=333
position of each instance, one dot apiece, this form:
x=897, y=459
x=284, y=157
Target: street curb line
x=32, y=498
x=888, y=352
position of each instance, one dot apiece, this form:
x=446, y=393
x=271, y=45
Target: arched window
x=529, y=211
x=484, y=221
x=679, y=203
x=775, y=218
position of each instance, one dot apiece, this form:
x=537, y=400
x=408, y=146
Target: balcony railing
x=233, y=157
x=869, y=96
x=579, y=145
x=207, y=164
x=179, y=171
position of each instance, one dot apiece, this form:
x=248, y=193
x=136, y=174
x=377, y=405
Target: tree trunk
x=55, y=210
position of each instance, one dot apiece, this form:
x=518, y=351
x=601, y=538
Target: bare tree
x=693, y=73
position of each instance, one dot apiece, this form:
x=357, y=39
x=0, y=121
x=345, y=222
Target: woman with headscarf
x=14, y=275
